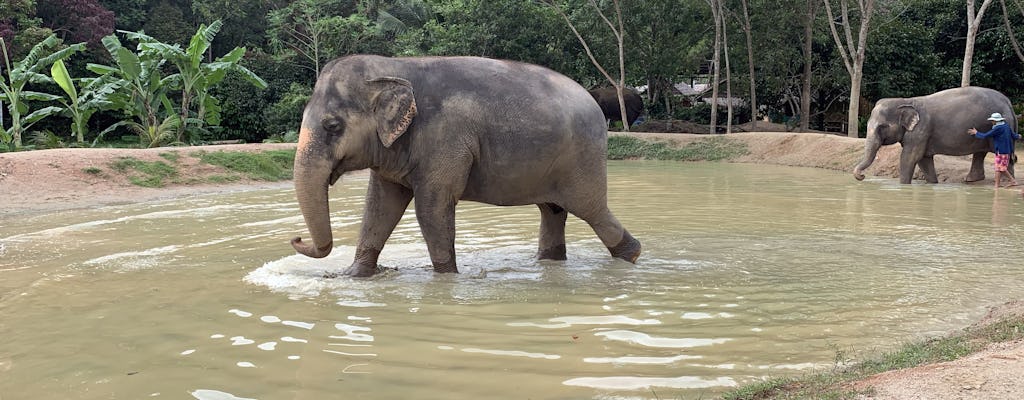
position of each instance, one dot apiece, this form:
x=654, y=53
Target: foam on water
x=207, y=394
x=640, y=383
x=651, y=341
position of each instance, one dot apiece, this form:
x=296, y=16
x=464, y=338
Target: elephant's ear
x=909, y=117
x=394, y=107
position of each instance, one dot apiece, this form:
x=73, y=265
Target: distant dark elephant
x=608, y=99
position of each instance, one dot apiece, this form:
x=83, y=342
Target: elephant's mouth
x=336, y=173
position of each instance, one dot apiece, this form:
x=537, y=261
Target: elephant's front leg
x=385, y=204
x=552, y=232
x=977, y=172
x=927, y=165
x=436, y=215
x=909, y=157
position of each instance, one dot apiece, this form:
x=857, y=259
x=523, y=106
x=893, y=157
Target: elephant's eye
x=333, y=124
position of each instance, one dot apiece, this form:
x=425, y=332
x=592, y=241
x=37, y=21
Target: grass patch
x=834, y=385
x=274, y=165
x=145, y=173
x=223, y=178
x=93, y=171
x=171, y=156
x=712, y=148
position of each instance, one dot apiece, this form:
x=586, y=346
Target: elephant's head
x=349, y=122
x=890, y=120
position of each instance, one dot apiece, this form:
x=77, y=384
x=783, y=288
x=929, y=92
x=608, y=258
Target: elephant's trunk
x=312, y=179
x=871, y=147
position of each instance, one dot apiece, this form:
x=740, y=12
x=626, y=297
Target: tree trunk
x=622, y=68
x=750, y=65
x=853, y=54
x=728, y=73
x=805, y=84
x=1009, y=31
x=973, y=24
x=713, y=128
x=853, y=113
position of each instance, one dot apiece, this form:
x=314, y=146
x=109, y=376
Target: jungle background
x=242, y=70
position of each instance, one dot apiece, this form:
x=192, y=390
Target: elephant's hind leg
x=552, y=232
x=977, y=172
x=616, y=238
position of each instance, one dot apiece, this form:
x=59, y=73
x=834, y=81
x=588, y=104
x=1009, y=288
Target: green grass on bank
x=835, y=384
x=276, y=165
x=712, y=148
x=145, y=173
x=272, y=165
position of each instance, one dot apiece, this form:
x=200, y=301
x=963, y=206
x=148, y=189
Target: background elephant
x=442, y=129
x=935, y=124
x=608, y=99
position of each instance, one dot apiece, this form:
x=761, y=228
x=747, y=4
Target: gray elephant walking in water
x=439, y=130
x=935, y=124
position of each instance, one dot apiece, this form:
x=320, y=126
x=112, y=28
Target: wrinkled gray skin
x=440, y=130
x=935, y=124
x=608, y=99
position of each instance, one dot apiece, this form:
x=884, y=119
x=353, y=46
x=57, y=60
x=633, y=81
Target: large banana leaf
x=39, y=114
x=251, y=77
x=60, y=75
x=130, y=65
x=201, y=42
x=57, y=55
x=38, y=96
x=36, y=53
x=101, y=69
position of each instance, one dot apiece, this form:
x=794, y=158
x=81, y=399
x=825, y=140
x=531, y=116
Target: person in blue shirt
x=1002, y=139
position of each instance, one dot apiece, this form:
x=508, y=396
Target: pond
x=748, y=271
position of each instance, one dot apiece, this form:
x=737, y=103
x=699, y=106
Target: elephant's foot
x=356, y=270
x=552, y=253
x=446, y=268
x=974, y=178
x=628, y=248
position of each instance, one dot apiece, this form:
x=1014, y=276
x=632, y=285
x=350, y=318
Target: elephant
x=437, y=130
x=608, y=99
x=935, y=124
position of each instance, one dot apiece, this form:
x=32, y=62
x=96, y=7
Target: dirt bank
x=61, y=179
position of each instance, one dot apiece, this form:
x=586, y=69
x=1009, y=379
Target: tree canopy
x=910, y=48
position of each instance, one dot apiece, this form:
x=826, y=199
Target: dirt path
x=51, y=180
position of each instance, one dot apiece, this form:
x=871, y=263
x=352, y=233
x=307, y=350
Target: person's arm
x=982, y=135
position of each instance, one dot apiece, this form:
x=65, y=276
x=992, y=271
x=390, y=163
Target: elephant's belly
x=507, y=193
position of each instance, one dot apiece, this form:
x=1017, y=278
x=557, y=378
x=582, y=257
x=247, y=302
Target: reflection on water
x=747, y=272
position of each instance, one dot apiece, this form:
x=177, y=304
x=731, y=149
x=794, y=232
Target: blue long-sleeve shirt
x=1002, y=137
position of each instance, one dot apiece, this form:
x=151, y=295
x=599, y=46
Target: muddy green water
x=748, y=272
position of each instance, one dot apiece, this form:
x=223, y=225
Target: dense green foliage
x=198, y=60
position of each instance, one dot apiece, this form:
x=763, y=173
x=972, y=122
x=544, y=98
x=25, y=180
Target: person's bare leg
x=1013, y=181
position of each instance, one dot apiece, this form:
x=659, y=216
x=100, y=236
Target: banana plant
x=22, y=73
x=80, y=105
x=141, y=91
x=195, y=78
